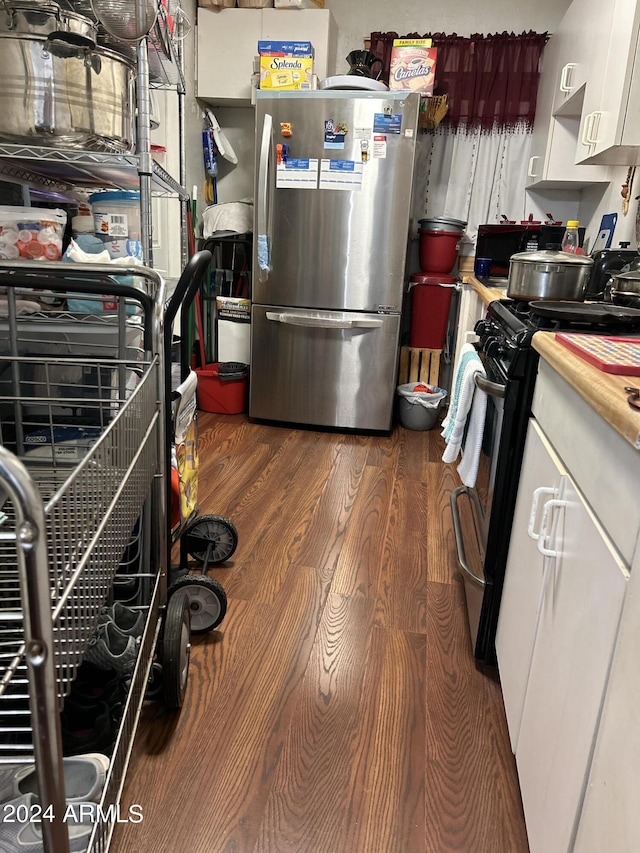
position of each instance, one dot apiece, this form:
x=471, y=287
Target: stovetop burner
x=517, y=316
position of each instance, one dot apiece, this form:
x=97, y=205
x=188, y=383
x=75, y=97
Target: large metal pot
x=548, y=275
x=623, y=288
x=58, y=94
x=44, y=19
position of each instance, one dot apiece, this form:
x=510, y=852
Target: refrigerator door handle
x=322, y=322
x=262, y=218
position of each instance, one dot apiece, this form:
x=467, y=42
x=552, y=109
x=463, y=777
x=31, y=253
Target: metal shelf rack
x=159, y=64
x=164, y=69
x=65, y=169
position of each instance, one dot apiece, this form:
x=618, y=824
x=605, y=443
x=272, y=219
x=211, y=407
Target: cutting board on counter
x=611, y=355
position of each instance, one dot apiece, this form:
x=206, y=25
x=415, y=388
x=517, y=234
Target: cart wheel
x=215, y=531
x=207, y=601
x=175, y=650
x=154, y=684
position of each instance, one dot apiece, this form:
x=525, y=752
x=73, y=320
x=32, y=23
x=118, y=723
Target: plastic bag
x=83, y=303
x=427, y=399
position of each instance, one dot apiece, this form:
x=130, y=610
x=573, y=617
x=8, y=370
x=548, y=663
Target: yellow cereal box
x=413, y=66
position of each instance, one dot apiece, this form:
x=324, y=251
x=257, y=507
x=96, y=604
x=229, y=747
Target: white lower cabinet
x=610, y=818
x=563, y=595
x=521, y=595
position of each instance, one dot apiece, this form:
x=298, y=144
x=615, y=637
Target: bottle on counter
x=571, y=239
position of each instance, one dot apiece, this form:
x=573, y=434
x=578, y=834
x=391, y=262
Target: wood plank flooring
x=338, y=708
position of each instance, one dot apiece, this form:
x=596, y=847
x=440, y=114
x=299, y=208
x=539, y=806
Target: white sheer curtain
x=475, y=177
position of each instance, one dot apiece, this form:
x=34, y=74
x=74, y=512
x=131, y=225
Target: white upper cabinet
x=582, y=31
x=552, y=161
x=610, y=120
x=228, y=41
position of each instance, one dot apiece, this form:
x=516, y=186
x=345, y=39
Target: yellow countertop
x=487, y=294
x=603, y=391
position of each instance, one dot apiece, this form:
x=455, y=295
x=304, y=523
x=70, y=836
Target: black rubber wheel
x=211, y=530
x=176, y=648
x=154, y=684
x=207, y=601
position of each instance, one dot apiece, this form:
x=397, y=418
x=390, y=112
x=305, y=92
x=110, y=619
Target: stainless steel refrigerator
x=332, y=212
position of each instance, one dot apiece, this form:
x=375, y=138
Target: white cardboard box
x=299, y=4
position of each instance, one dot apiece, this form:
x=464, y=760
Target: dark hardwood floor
x=338, y=708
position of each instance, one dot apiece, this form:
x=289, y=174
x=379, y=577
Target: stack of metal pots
x=59, y=88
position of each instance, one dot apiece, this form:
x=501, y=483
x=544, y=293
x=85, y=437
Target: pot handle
x=72, y=39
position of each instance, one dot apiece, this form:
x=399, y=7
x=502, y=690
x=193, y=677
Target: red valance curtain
x=491, y=81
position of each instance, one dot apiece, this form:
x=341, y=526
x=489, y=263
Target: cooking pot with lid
x=548, y=275
x=44, y=19
x=60, y=93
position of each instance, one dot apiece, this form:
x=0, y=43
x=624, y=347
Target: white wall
x=594, y=204
x=357, y=19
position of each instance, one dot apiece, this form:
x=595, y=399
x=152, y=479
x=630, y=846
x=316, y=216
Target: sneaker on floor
x=26, y=837
x=86, y=729
x=93, y=685
x=84, y=778
x=126, y=619
x=109, y=648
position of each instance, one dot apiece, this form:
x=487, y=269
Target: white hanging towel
x=468, y=403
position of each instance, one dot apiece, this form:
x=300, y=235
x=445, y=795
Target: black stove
x=511, y=323
x=511, y=365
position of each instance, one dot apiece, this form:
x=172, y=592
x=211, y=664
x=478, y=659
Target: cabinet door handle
x=547, y=514
x=532, y=161
x=593, y=127
x=585, y=138
x=565, y=77
x=543, y=490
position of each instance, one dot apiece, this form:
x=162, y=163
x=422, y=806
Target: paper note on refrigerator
x=297, y=173
x=340, y=175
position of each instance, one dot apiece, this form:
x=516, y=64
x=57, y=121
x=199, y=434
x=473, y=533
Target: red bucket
x=439, y=251
x=430, y=303
x=225, y=396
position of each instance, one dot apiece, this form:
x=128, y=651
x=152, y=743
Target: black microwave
x=499, y=242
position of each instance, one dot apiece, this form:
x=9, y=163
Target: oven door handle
x=492, y=388
x=457, y=529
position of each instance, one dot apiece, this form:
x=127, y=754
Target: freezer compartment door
x=326, y=368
